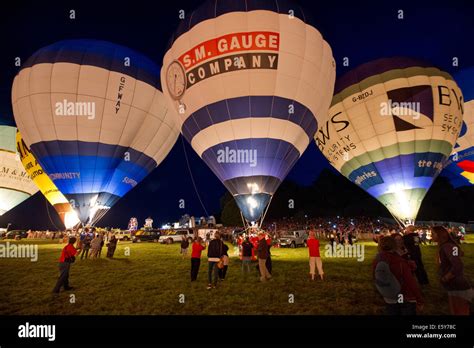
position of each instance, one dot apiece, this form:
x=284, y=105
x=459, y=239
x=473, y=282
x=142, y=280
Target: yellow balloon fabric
x=45, y=185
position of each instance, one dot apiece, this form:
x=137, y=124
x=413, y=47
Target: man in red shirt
x=67, y=257
x=314, y=257
x=197, y=248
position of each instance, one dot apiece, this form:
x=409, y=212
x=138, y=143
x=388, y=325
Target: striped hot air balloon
x=15, y=183
x=94, y=117
x=459, y=168
x=247, y=79
x=391, y=126
x=43, y=182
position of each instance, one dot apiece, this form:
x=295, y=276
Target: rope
x=192, y=178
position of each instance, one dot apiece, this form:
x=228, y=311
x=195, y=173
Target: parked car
x=146, y=236
x=123, y=235
x=16, y=234
x=293, y=239
x=175, y=236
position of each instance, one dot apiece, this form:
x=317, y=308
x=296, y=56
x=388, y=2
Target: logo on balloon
x=242, y=51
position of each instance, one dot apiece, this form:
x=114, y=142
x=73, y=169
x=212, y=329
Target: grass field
x=151, y=279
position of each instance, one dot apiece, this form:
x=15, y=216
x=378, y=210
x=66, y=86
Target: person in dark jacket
x=451, y=272
x=246, y=255
x=411, y=240
x=268, y=263
x=262, y=254
x=111, y=246
x=86, y=244
x=215, y=251
x=184, y=246
x=67, y=257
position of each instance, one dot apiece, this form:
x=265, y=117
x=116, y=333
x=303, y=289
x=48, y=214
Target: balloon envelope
x=247, y=81
x=391, y=126
x=46, y=186
x=459, y=168
x=93, y=116
x=15, y=183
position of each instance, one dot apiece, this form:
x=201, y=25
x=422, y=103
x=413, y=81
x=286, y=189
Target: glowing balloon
x=459, y=168
x=43, y=182
x=247, y=79
x=15, y=184
x=391, y=126
x=93, y=116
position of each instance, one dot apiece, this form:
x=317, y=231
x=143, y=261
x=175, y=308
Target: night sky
x=436, y=31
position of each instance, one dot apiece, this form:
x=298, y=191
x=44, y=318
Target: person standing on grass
x=451, y=272
x=225, y=260
x=395, y=281
x=247, y=248
x=111, y=246
x=411, y=240
x=184, y=246
x=102, y=242
x=314, y=257
x=86, y=244
x=262, y=254
x=68, y=255
x=197, y=248
x=215, y=251
x=95, y=246
x=268, y=263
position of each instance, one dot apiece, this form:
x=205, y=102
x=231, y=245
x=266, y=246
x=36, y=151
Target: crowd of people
x=85, y=243
x=400, y=275
x=398, y=270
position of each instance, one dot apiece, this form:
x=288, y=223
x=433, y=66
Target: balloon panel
x=15, y=184
x=93, y=116
x=459, y=169
x=247, y=82
x=390, y=128
x=45, y=185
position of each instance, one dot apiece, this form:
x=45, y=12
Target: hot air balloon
x=15, y=184
x=247, y=80
x=391, y=126
x=459, y=168
x=43, y=182
x=93, y=116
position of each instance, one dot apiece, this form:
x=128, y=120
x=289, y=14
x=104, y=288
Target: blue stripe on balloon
x=96, y=174
x=273, y=158
x=214, y=8
x=102, y=167
x=101, y=54
x=401, y=171
x=58, y=148
x=250, y=107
